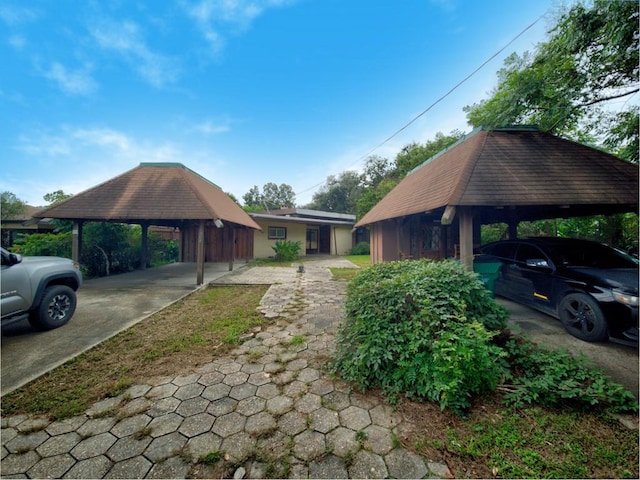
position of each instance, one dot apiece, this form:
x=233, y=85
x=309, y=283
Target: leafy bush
x=286, y=250
x=423, y=329
x=554, y=378
x=361, y=248
x=48, y=244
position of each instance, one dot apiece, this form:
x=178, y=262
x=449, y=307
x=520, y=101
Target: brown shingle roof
x=511, y=168
x=152, y=191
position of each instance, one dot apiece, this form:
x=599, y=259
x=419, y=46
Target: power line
x=455, y=87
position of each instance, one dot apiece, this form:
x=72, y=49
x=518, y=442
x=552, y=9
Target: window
x=277, y=233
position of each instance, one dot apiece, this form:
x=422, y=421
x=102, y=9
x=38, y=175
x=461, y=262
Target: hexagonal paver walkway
x=269, y=409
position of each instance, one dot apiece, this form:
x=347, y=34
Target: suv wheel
x=582, y=317
x=56, y=308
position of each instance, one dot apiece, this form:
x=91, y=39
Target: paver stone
x=368, y=465
x=328, y=466
x=93, y=446
x=404, y=464
x=196, y=424
x=203, y=444
x=136, y=467
x=164, y=447
x=324, y=420
x=174, y=467
x=128, y=447
x=59, y=444
x=51, y=467
x=168, y=423
x=18, y=463
x=95, y=467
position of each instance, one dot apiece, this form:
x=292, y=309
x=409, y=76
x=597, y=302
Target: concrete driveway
x=106, y=306
x=620, y=362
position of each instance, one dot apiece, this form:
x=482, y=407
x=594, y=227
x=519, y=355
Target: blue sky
x=243, y=92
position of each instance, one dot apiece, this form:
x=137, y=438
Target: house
x=23, y=224
x=318, y=232
x=505, y=175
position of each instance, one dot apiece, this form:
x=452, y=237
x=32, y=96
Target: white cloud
x=18, y=42
x=209, y=128
x=78, y=82
x=215, y=16
x=125, y=39
x=12, y=15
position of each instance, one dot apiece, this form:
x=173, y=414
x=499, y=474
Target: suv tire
x=56, y=308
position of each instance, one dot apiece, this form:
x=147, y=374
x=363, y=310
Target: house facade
x=318, y=232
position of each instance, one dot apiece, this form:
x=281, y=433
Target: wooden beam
x=200, y=254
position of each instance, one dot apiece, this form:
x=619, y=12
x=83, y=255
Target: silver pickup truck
x=40, y=289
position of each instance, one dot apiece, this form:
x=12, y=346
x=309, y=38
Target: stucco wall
x=262, y=245
x=341, y=240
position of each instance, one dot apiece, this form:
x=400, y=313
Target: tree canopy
x=272, y=197
x=577, y=83
x=11, y=207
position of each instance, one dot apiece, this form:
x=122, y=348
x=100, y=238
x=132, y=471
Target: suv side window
x=501, y=250
x=529, y=252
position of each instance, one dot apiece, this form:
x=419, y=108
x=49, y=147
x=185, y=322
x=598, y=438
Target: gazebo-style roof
x=163, y=194
x=521, y=172
x=157, y=193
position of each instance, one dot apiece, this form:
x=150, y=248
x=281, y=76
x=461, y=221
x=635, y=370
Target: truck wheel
x=56, y=308
x=582, y=318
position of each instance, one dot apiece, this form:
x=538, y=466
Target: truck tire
x=56, y=308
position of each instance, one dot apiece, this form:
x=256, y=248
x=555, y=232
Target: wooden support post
x=466, y=238
x=231, y=237
x=76, y=241
x=200, y=254
x=144, y=246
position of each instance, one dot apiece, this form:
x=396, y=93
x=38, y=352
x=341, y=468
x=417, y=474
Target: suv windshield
x=590, y=255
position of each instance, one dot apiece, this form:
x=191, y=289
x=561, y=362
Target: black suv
x=590, y=287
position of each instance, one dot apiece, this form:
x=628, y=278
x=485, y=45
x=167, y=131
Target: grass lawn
x=183, y=336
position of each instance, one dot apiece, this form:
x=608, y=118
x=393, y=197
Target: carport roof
x=536, y=173
x=158, y=193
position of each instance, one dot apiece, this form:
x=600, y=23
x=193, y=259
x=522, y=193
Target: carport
x=213, y=228
x=505, y=175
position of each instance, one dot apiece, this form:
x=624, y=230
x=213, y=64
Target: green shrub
x=554, y=378
x=361, y=248
x=422, y=329
x=48, y=244
x=286, y=250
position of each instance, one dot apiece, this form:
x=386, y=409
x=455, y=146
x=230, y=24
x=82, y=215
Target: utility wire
x=433, y=104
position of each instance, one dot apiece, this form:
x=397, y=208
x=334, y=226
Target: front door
x=312, y=240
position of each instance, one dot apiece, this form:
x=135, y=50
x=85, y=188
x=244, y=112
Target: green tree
x=56, y=197
x=53, y=198
x=589, y=59
x=339, y=194
x=272, y=197
x=11, y=207
x=415, y=154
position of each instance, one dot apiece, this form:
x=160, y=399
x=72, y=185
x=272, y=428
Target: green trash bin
x=488, y=269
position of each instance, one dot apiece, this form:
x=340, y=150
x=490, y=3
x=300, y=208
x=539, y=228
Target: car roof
x=549, y=241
